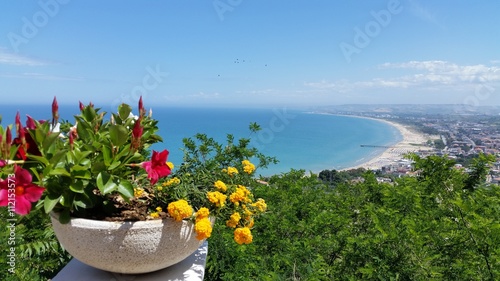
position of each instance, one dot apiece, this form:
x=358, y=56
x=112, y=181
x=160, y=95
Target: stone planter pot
x=127, y=247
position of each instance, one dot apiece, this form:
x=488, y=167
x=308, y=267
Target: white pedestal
x=192, y=269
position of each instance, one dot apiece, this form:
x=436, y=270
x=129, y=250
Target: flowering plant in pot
x=103, y=168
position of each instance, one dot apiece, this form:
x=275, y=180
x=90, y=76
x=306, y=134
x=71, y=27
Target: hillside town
x=460, y=137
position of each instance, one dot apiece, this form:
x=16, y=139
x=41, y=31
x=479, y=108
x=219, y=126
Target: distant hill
x=444, y=109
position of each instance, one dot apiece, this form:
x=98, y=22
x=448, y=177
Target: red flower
x=25, y=191
x=157, y=167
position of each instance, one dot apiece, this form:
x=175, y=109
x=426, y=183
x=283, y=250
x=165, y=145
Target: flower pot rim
x=94, y=223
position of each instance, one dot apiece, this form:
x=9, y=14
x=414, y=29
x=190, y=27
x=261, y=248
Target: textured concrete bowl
x=127, y=247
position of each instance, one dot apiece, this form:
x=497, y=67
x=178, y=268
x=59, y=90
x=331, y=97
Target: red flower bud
x=82, y=107
x=142, y=111
x=19, y=126
x=137, y=133
x=30, y=122
x=8, y=136
x=72, y=136
x=55, y=111
x=8, y=141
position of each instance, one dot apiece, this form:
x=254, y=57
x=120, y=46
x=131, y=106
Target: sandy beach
x=412, y=142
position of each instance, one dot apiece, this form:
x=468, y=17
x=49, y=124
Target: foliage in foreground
x=38, y=254
x=440, y=225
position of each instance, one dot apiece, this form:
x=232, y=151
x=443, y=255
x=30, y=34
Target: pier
x=376, y=146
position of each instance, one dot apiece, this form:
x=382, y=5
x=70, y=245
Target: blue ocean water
x=298, y=139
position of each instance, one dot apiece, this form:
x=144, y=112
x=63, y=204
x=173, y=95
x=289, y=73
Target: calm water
x=299, y=140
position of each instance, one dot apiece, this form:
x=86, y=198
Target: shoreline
x=412, y=141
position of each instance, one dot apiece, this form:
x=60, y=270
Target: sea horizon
x=299, y=139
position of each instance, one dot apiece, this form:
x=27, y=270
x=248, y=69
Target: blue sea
x=298, y=139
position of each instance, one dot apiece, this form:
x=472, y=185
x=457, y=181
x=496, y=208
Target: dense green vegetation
x=440, y=225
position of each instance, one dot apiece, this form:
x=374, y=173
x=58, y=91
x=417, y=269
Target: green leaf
x=79, y=168
x=84, y=201
x=124, y=111
x=114, y=165
x=64, y=216
x=49, y=140
x=83, y=130
x=107, y=155
x=40, y=159
x=50, y=202
x=105, y=183
x=89, y=113
x=77, y=187
x=84, y=174
x=80, y=156
x=57, y=156
x=126, y=189
x=118, y=134
x=59, y=172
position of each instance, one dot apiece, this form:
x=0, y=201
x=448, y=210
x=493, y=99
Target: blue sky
x=250, y=53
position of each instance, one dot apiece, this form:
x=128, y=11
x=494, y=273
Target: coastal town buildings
x=460, y=137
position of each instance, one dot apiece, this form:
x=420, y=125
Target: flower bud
x=142, y=111
x=19, y=126
x=30, y=122
x=55, y=111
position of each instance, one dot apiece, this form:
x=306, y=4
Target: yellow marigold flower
x=232, y=171
x=240, y=195
x=244, y=189
x=202, y=213
x=203, y=229
x=217, y=198
x=234, y=219
x=170, y=165
x=248, y=167
x=243, y=235
x=247, y=211
x=220, y=185
x=154, y=215
x=260, y=205
x=159, y=209
x=138, y=192
x=179, y=210
x=172, y=181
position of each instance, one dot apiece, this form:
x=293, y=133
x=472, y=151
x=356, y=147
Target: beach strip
x=412, y=141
